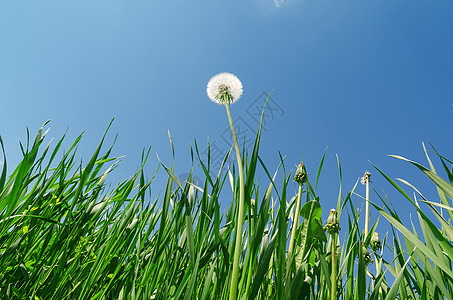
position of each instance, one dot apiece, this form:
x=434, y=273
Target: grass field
x=66, y=234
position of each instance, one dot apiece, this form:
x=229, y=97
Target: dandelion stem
x=333, y=276
x=292, y=239
x=251, y=259
x=367, y=204
x=240, y=216
x=333, y=227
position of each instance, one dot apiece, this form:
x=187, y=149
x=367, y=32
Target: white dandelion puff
x=224, y=86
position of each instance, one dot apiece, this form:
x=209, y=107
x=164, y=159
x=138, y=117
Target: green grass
x=66, y=234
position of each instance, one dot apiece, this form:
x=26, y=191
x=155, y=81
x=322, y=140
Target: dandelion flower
x=224, y=87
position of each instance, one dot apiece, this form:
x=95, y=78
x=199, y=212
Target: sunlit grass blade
x=436, y=179
x=396, y=285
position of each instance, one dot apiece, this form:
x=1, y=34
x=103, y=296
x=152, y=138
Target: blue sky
x=363, y=78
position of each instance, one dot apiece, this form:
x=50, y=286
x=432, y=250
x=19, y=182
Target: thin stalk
x=249, y=276
x=240, y=218
x=292, y=239
x=378, y=271
x=333, y=276
x=367, y=212
x=269, y=276
x=367, y=203
x=250, y=236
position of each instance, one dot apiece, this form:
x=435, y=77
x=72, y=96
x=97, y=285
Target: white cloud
x=278, y=3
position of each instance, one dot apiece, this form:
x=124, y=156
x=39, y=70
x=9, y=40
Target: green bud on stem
x=375, y=242
x=366, y=255
x=301, y=174
x=333, y=222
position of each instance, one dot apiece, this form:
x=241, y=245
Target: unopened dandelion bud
x=366, y=255
x=333, y=222
x=375, y=242
x=301, y=174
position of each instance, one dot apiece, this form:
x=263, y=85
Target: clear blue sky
x=363, y=78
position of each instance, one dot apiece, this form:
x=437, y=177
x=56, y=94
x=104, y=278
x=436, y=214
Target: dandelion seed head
x=224, y=85
x=362, y=180
x=365, y=178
